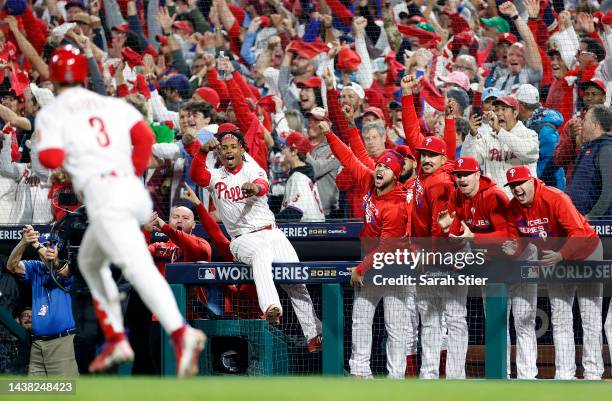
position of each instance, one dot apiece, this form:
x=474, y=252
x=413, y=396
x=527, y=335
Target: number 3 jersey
x=93, y=131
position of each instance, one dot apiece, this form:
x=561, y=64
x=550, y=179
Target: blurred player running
x=104, y=145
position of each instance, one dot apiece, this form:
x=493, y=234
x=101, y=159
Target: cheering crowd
x=483, y=120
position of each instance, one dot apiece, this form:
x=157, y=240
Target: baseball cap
x=528, y=94
x=433, y=144
x=123, y=28
x=467, y=165
x=162, y=39
x=48, y=238
x=491, y=92
x=184, y=26
x=318, y=113
x=460, y=96
x=312, y=82
x=405, y=151
x=518, y=174
x=348, y=59
x=210, y=96
x=393, y=160
x=597, y=83
x=496, y=22
x=507, y=38
x=83, y=18
x=457, y=78
x=379, y=65
x=227, y=127
x=299, y=142
x=508, y=101
x=75, y=3
x=376, y=111
x=356, y=88
x=43, y=96
x=177, y=81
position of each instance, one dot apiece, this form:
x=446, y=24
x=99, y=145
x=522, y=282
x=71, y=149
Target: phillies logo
x=459, y=162
x=512, y=171
x=234, y=194
x=388, y=160
x=427, y=141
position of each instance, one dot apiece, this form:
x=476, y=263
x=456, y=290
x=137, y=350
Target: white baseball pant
x=116, y=207
x=397, y=324
x=523, y=301
x=412, y=339
x=608, y=328
x=434, y=303
x=590, y=304
x=259, y=250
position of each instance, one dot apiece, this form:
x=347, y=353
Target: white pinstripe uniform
x=244, y=218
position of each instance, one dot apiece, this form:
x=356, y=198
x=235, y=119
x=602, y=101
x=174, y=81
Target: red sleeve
x=431, y=95
x=438, y=196
x=244, y=88
x=410, y=123
x=450, y=138
x=51, y=158
x=595, y=35
x=194, y=248
x=215, y=83
x=142, y=142
x=244, y=115
x=341, y=11
x=234, y=36
x=358, y=148
x=263, y=186
x=339, y=123
x=35, y=30
x=361, y=173
x=540, y=31
x=142, y=87
x=198, y=171
x=193, y=148
x=497, y=205
x=344, y=180
x=567, y=216
x=566, y=150
x=215, y=233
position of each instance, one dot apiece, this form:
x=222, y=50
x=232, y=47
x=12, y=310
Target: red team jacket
x=383, y=218
x=552, y=215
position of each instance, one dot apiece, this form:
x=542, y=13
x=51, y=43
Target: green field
x=318, y=388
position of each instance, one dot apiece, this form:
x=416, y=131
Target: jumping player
x=239, y=191
x=104, y=145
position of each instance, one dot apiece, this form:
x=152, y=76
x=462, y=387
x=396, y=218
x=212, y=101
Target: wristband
x=39, y=247
x=514, y=18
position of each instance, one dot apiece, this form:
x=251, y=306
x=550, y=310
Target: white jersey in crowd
x=240, y=214
x=496, y=153
x=301, y=193
x=93, y=131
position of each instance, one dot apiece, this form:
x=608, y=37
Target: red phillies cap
x=596, y=82
x=265, y=21
x=162, y=39
x=518, y=174
x=466, y=165
x=210, y=96
x=124, y=28
x=348, y=59
x=299, y=142
x=312, y=82
x=405, y=151
x=227, y=127
x=376, y=111
x=183, y=26
x=508, y=101
x=433, y=144
x=507, y=37
x=393, y=160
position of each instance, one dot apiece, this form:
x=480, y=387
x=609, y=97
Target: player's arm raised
x=198, y=171
x=142, y=142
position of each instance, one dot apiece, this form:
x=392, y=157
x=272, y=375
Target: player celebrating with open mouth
x=239, y=191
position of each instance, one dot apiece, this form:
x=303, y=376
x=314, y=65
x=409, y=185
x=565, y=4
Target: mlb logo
x=207, y=273
x=530, y=272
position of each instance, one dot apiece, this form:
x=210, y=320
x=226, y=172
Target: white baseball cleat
x=187, y=348
x=112, y=355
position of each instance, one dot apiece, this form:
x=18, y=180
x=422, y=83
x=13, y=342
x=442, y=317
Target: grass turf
x=320, y=388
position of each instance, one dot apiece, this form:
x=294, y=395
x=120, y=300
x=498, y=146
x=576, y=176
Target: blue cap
x=177, y=81
x=47, y=238
x=75, y=3
x=491, y=92
x=15, y=7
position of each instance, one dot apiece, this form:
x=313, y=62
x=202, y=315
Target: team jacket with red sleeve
x=552, y=223
x=180, y=247
x=485, y=214
x=385, y=215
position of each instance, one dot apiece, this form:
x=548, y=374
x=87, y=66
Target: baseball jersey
x=240, y=214
x=301, y=193
x=93, y=131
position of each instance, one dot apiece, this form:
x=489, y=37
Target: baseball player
x=476, y=211
x=385, y=218
x=301, y=201
x=552, y=223
x=239, y=192
x=104, y=145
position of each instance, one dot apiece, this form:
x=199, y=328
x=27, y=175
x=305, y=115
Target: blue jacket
x=546, y=123
x=585, y=186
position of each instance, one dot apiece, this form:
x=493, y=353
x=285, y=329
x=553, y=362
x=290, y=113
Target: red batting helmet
x=68, y=65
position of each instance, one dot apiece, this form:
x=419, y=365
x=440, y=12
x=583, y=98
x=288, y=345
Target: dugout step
x=258, y=349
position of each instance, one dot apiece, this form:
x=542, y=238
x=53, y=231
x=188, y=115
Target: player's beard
x=406, y=176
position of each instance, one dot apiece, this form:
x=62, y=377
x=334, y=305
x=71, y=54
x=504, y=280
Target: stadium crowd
x=351, y=108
